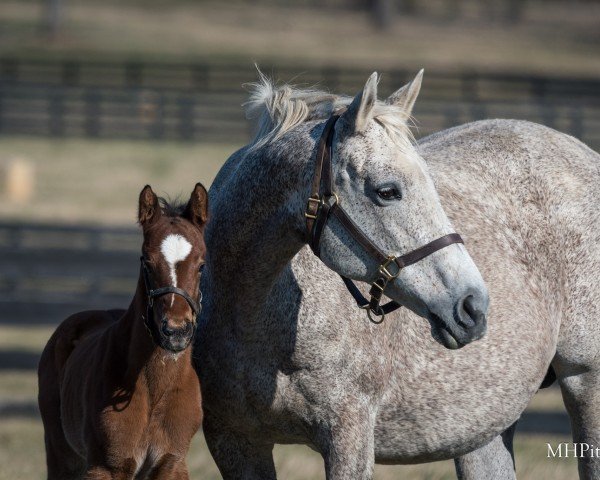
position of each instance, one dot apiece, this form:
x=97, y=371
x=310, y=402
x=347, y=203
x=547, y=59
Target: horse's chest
x=151, y=432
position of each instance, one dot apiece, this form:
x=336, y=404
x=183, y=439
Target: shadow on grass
x=19, y=410
x=18, y=360
x=537, y=423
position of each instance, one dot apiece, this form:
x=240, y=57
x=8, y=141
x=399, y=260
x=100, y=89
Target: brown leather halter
x=152, y=293
x=323, y=202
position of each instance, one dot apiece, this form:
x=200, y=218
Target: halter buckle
x=383, y=269
x=316, y=200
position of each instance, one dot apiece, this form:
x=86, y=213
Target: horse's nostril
x=469, y=307
x=166, y=330
x=469, y=312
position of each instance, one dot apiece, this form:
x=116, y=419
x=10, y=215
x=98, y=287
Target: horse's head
x=384, y=186
x=172, y=256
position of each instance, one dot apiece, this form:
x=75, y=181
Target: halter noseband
x=159, y=292
x=324, y=202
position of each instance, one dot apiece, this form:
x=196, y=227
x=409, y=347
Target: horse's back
x=71, y=332
x=539, y=189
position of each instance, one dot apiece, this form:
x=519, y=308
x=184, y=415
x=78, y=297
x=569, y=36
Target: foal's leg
x=61, y=460
x=581, y=394
x=125, y=471
x=494, y=460
x=236, y=457
x=170, y=467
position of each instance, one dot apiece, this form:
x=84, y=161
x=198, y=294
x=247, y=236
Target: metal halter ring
x=374, y=317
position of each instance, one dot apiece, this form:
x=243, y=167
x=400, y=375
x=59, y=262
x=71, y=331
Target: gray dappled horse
x=284, y=354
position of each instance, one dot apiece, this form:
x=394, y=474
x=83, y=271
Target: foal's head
x=172, y=256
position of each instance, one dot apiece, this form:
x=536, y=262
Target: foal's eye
x=389, y=193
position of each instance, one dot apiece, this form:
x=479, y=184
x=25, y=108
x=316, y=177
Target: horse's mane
x=278, y=109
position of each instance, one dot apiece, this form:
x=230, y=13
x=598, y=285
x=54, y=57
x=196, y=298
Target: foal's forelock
x=278, y=109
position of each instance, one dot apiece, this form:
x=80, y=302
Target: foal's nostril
x=166, y=330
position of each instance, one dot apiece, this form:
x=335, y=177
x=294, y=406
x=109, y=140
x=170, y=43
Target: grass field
x=22, y=450
x=552, y=38
x=99, y=181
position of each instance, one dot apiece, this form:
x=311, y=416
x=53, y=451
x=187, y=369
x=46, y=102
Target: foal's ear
x=196, y=210
x=406, y=96
x=149, y=210
x=360, y=111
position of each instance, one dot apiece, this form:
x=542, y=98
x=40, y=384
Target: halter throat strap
x=324, y=202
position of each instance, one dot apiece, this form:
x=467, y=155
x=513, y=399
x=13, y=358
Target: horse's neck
x=146, y=362
x=256, y=229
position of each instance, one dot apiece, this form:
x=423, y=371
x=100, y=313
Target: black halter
x=159, y=292
x=324, y=202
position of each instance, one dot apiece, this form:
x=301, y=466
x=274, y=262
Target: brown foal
x=118, y=395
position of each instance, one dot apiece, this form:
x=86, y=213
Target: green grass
x=554, y=37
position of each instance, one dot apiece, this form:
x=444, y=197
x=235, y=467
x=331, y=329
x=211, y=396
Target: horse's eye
x=389, y=193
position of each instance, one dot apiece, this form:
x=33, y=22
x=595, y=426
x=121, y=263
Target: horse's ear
x=196, y=210
x=360, y=111
x=406, y=96
x=149, y=210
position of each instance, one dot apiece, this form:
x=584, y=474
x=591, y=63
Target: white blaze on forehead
x=175, y=248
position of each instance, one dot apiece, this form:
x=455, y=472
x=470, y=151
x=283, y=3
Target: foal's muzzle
x=175, y=339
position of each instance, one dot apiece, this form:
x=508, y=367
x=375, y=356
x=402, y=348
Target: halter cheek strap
x=324, y=202
x=159, y=292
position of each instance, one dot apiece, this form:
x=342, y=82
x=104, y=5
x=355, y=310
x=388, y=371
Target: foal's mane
x=279, y=108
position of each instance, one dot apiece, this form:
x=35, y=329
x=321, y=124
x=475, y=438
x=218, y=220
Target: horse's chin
x=175, y=347
x=443, y=335
x=448, y=340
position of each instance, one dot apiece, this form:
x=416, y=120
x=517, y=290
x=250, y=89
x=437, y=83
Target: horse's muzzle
x=176, y=339
x=468, y=323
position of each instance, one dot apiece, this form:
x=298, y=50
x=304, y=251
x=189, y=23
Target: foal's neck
x=158, y=367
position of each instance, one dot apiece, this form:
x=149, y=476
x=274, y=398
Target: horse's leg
x=347, y=444
x=170, y=467
x=61, y=460
x=237, y=458
x=581, y=394
x=100, y=471
x=494, y=460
